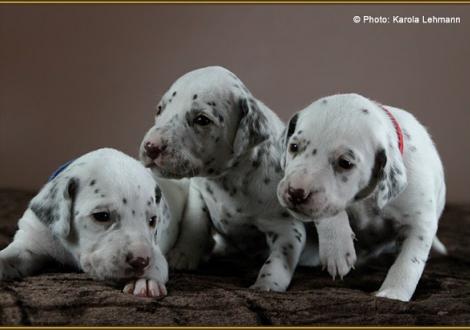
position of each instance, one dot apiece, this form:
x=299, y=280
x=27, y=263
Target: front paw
x=338, y=257
x=183, y=260
x=394, y=293
x=266, y=285
x=143, y=287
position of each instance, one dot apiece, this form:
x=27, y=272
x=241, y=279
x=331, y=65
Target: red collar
x=396, y=125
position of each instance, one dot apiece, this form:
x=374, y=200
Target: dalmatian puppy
x=210, y=128
x=98, y=214
x=352, y=158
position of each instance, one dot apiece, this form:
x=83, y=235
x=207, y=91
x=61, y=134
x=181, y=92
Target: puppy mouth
x=172, y=172
x=301, y=214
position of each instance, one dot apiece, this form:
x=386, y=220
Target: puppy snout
x=138, y=263
x=153, y=150
x=298, y=196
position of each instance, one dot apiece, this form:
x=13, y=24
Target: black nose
x=153, y=150
x=297, y=196
x=139, y=263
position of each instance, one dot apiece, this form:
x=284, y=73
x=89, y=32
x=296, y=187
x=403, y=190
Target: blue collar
x=59, y=170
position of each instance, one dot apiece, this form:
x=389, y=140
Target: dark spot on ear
x=158, y=194
x=72, y=188
x=291, y=126
x=376, y=175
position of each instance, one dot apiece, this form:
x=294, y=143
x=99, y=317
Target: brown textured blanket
x=217, y=294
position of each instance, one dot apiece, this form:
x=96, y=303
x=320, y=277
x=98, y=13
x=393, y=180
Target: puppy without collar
x=100, y=215
x=347, y=155
x=209, y=127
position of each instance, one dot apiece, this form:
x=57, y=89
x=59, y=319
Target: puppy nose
x=138, y=263
x=297, y=196
x=153, y=150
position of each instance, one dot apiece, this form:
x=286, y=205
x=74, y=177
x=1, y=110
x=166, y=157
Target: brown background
x=77, y=77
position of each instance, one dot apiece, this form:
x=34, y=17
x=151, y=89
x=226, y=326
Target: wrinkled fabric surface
x=217, y=294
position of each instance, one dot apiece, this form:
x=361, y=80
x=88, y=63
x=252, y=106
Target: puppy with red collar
x=350, y=159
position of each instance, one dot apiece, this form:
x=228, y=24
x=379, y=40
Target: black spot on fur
x=314, y=152
x=376, y=175
x=158, y=194
x=92, y=182
x=291, y=126
x=209, y=189
x=365, y=111
x=174, y=93
x=194, y=96
x=124, y=201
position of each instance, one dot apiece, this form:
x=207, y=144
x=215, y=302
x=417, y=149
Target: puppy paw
x=394, y=293
x=263, y=285
x=183, y=260
x=338, y=256
x=143, y=287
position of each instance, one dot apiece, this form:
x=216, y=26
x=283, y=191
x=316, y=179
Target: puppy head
x=203, y=123
x=339, y=150
x=104, y=209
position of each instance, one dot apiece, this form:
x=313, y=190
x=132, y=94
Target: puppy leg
x=404, y=275
x=32, y=246
x=286, y=240
x=194, y=239
x=336, y=246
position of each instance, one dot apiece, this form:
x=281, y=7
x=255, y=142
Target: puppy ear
x=54, y=205
x=251, y=129
x=388, y=178
x=288, y=131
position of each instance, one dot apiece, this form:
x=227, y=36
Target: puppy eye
x=153, y=221
x=202, y=120
x=101, y=216
x=293, y=147
x=344, y=164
